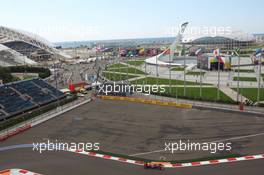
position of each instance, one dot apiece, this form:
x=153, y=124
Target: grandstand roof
x=12, y=35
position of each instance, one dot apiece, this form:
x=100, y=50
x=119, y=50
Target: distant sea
x=119, y=42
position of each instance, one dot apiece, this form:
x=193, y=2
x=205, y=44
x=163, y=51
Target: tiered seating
x=21, y=96
x=37, y=94
x=21, y=47
x=51, y=89
x=13, y=102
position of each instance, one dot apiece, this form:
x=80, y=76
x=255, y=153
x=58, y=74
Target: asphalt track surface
x=113, y=123
x=66, y=163
x=131, y=128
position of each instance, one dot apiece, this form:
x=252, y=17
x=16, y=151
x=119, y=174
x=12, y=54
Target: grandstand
x=9, y=57
x=19, y=97
x=26, y=48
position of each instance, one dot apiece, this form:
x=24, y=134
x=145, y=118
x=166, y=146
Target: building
x=259, y=38
x=223, y=40
x=19, y=47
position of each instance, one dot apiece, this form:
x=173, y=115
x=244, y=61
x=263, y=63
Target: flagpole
x=157, y=73
x=127, y=70
x=238, y=79
x=218, y=84
x=259, y=77
x=170, y=69
x=200, y=60
x=184, y=76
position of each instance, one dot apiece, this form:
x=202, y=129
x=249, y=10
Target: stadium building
x=19, y=47
x=222, y=40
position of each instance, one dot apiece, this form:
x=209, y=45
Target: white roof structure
x=13, y=35
x=236, y=35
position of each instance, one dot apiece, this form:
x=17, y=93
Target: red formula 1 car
x=154, y=165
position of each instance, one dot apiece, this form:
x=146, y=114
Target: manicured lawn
x=195, y=73
x=177, y=69
x=208, y=94
x=245, y=70
x=129, y=70
x=28, y=77
x=135, y=63
x=152, y=81
x=245, y=79
x=115, y=66
x=251, y=93
x=116, y=76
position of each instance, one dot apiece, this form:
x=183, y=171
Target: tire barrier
x=146, y=101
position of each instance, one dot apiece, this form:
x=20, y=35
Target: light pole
x=218, y=74
x=259, y=76
x=170, y=70
x=238, y=78
x=184, y=71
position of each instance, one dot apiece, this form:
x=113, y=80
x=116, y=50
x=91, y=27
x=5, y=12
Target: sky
x=82, y=20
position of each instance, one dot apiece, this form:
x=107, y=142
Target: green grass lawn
x=29, y=77
x=195, y=73
x=208, y=94
x=251, y=93
x=245, y=70
x=115, y=66
x=163, y=81
x=177, y=69
x=117, y=76
x=136, y=62
x=245, y=79
x=129, y=70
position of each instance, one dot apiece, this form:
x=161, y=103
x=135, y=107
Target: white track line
x=166, y=164
x=222, y=140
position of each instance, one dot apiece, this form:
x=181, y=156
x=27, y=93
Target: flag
x=258, y=52
x=216, y=52
x=71, y=86
x=98, y=48
x=122, y=52
x=141, y=51
x=167, y=51
x=198, y=52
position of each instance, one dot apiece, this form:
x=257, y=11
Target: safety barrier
x=7, y=133
x=146, y=101
x=15, y=132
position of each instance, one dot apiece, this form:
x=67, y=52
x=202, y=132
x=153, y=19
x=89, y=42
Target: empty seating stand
x=22, y=96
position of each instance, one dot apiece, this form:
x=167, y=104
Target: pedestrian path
x=232, y=94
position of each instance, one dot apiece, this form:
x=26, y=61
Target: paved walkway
x=232, y=94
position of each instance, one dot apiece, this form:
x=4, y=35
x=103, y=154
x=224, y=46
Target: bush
x=6, y=76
